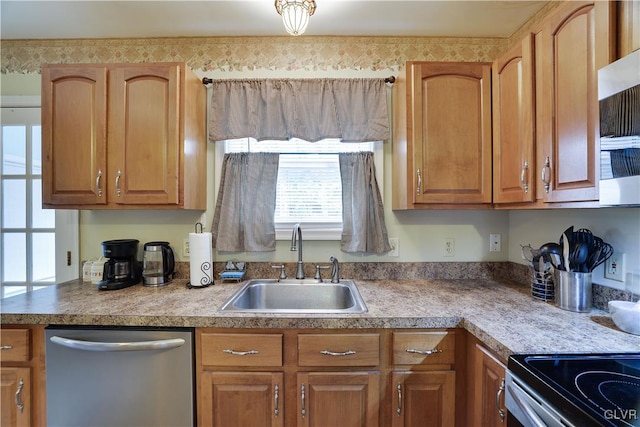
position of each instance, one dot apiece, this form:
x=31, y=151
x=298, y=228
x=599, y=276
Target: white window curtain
x=363, y=226
x=352, y=110
x=244, y=215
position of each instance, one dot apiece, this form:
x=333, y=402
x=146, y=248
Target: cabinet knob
x=419, y=186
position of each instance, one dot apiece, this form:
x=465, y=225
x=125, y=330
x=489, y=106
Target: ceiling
x=50, y=19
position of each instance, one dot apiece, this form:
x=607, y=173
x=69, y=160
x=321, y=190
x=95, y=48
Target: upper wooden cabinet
x=513, y=125
x=442, y=136
x=628, y=27
x=570, y=46
x=126, y=136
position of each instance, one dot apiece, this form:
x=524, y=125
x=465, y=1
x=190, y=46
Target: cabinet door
x=74, y=135
x=423, y=399
x=144, y=134
x=450, y=116
x=242, y=399
x=513, y=149
x=573, y=44
x=346, y=399
x=15, y=392
x=628, y=27
x=489, y=389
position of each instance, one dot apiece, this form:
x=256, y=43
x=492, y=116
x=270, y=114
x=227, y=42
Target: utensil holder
x=573, y=291
x=542, y=284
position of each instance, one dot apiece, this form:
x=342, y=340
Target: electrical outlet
x=185, y=248
x=614, y=267
x=394, y=242
x=449, y=247
x=495, y=242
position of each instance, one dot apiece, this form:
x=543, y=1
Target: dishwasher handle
x=166, y=344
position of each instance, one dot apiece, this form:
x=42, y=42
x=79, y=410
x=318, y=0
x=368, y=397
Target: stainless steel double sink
x=296, y=296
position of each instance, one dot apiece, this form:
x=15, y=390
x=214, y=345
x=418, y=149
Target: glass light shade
x=295, y=14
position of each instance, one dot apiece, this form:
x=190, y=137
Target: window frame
x=312, y=230
x=65, y=228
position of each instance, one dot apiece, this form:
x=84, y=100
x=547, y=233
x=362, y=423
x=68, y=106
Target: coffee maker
x=158, y=264
x=122, y=269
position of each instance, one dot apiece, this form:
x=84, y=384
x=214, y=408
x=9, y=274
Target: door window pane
x=14, y=257
x=43, y=264
x=40, y=218
x=14, y=150
x=14, y=203
x=36, y=150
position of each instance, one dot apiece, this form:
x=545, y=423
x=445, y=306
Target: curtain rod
x=207, y=80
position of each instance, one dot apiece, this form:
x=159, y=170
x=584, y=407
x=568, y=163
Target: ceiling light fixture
x=295, y=14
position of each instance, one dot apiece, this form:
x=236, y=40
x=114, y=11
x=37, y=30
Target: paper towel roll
x=201, y=259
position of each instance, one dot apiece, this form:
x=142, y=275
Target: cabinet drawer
x=423, y=348
x=242, y=349
x=15, y=344
x=338, y=350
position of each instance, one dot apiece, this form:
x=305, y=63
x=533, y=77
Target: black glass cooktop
x=604, y=388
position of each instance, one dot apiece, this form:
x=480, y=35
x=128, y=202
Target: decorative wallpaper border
x=250, y=53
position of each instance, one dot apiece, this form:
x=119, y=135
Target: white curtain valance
x=352, y=110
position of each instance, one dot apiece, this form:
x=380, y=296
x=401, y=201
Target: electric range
x=574, y=390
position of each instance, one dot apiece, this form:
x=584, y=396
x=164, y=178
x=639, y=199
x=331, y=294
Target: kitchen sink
x=296, y=296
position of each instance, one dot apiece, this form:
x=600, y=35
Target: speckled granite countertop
x=503, y=316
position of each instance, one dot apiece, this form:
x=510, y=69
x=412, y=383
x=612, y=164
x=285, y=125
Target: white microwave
x=619, y=99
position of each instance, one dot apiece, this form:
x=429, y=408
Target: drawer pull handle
x=423, y=352
x=6, y=347
x=399, y=408
x=304, y=409
x=18, y=397
x=99, y=182
x=276, y=392
x=419, y=186
x=341, y=353
x=240, y=353
x=523, y=177
x=546, y=170
x=118, y=189
x=498, y=395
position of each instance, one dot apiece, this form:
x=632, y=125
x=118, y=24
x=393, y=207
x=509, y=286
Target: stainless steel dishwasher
x=119, y=377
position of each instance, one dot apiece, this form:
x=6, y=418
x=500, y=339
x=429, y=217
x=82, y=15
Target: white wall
x=619, y=227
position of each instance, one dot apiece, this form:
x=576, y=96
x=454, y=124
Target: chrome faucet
x=296, y=236
x=335, y=270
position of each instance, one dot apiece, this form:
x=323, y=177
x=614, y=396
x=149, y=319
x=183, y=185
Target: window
x=28, y=241
x=309, y=188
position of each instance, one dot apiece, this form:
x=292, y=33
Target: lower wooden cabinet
x=329, y=378
x=485, y=392
x=22, y=372
x=15, y=389
x=346, y=399
x=423, y=398
x=242, y=399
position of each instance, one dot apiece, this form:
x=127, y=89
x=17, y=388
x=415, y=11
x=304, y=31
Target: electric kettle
x=158, y=264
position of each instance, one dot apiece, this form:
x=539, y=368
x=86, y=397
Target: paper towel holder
x=205, y=267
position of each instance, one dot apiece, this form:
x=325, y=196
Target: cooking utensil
x=606, y=251
x=551, y=252
x=566, y=249
x=578, y=256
